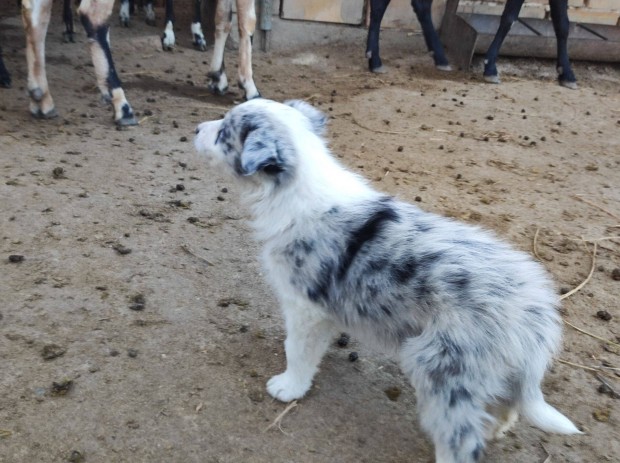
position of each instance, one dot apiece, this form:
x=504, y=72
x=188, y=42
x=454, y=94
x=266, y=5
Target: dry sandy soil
x=138, y=327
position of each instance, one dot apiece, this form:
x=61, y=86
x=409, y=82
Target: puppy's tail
x=545, y=417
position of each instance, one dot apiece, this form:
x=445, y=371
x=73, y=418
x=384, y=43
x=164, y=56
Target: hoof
x=126, y=121
x=444, y=67
x=51, y=114
x=213, y=88
x=200, y=45
x=492, y=79
x=124, y=22
x=380, y=70
x=569, y=84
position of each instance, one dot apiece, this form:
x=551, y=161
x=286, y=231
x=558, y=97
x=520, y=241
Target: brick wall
x=583, y=11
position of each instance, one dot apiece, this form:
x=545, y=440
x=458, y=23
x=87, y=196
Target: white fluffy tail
x=544, y=416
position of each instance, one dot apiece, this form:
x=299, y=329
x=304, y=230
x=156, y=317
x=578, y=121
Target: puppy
x=473, y=322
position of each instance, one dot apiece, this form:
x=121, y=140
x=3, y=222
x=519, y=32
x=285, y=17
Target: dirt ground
x=138, y=327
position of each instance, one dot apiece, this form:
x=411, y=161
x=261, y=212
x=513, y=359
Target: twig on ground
x=375, y=130
x=548, y=459
x=278, y=421
x=189, y=251
x=534, y=246
x=607, y=341
x=612, y=391
x=593, y=204
x=577, y=365
x=584, y=282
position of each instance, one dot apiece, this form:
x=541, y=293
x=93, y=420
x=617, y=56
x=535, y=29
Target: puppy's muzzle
x=206, y=135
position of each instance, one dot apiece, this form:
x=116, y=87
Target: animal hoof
x=213, y=88
x=492, y=79
x=51, y=114
x=569, y=84
x=200, y=44
x=125, y=22
x=380, y=70
x=444, y=67
x=126, y=121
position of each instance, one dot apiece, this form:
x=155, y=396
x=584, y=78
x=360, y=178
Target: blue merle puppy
x=473, y=322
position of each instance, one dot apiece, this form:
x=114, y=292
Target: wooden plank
x=332, y=11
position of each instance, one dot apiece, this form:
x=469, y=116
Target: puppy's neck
x=319, y=184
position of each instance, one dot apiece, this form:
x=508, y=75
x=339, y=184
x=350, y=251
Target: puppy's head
x=259, y=140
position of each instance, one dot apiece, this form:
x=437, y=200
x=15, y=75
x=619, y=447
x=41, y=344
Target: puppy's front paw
x=285, y=387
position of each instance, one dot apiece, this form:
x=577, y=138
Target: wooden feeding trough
x=466, y=34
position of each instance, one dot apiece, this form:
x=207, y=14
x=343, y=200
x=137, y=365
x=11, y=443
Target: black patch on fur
x=376, y=265
x=478, y=453
x=319, y=290
x=404, y=271
x=458, y=280
x=426, y=261
x=459, y=435
x=385, y=310
x=448, y=363
x=459, y=394
x=367, y=232
x=248, y=124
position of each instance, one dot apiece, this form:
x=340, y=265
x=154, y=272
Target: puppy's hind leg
x=308, y=334
x=450, y=401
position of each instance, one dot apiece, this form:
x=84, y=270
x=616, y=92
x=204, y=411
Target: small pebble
x=343, y=340
x=418, y=199
x=353, y=356
x=603, y=315
x=62, y=387
x=180, y=187
x=183, y=139
x=393, y=393
x=75, y=457
x=256, y=395
x=133, y=353
x=52, y=351
x=615, y=274
x=138, y=302
x=15, y=258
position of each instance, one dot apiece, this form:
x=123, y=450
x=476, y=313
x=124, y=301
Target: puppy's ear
x=260, y=153
x=317, y=119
